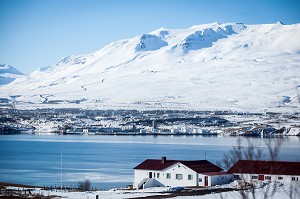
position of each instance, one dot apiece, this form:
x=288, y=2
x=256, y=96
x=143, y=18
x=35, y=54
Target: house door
x=261, y=177
x=150, y=174
x=206, y=181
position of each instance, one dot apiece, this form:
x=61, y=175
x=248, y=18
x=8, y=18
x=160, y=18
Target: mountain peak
x=4, y=68
x=8, y=74
x=280, y=23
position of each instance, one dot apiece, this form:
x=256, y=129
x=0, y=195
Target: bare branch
x=274, y=150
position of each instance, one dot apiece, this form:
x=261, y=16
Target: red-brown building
x=266, y=170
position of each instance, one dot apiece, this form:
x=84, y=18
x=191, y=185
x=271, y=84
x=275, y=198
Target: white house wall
x=285, y=178
x=177, y=168
x=214, y=180
x=139, y=175
x=201, y=180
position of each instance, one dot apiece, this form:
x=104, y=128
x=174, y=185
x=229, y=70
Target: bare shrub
x=239, y=152
x=84, y=185
x=293, y=191
x=252, y=152
x=273, y=148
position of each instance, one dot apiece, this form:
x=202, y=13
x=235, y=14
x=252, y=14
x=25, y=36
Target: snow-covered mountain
x=230, y=66
x=8, y=74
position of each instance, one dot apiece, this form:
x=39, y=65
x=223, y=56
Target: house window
x=280, y=178
x=254, y=177
x=200, y=179
x=190, y=177
x=294, y=179
x=237, y=177
x=150, y=174
x=158, y=174
x=267, y=177
x=168, y=176
x=153, y=175
x=179, y=176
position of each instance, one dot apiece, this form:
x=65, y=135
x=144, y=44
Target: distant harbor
x=156, y=122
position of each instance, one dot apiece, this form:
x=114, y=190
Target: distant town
x=151, y=122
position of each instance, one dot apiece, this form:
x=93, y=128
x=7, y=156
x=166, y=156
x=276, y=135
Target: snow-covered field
x=111, y=194
x=281, y=191
x=230, y=66
x=262, y=190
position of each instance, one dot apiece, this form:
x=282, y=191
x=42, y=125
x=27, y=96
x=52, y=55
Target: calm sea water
x=108, y=161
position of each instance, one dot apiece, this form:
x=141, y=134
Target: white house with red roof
x=178, y=173
x=249, y=170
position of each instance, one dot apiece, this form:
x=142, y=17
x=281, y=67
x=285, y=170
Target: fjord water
x=108, y=161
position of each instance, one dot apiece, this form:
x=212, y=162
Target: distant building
x=85, y=131
x=133, y=127
x=201, y=131
x=249, y=170
x=154, y=124
x=294, y=130
x=174, y=173
x=143, y=131
x=174, y=130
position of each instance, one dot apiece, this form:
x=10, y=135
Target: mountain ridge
x=8, y=74
x=230, y=66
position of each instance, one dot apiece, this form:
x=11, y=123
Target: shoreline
x=8, y=184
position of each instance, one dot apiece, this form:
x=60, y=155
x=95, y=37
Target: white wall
x=285, y=178
x=215, y=180
x=201, y=183
x=177, y=168
x=139, y=175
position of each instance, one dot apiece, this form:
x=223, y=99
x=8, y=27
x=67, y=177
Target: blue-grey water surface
x=108, y=161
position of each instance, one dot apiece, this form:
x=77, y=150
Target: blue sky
x=37, y=33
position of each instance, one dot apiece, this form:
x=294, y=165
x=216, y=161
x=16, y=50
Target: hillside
x=229, y=66
x=8, y=74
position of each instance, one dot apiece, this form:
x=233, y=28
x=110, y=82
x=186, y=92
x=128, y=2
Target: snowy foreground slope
x=261, y=191
x=228, y=66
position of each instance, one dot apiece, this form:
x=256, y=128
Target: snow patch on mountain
x=206, y=37
x=76, y=59
x=150, y=42
x=200, y=39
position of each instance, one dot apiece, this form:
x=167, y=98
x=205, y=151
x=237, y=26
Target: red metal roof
x=216, y=173
x=200, y=166
x=266, y=167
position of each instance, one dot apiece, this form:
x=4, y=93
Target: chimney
x=163, y=159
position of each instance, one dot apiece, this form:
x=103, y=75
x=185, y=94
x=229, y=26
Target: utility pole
x=60, y=171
